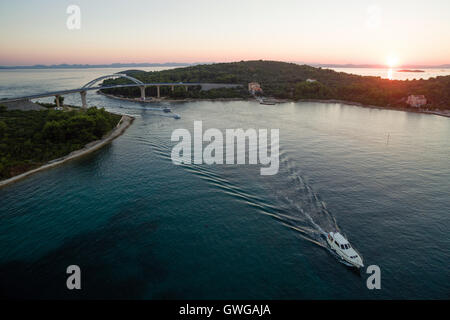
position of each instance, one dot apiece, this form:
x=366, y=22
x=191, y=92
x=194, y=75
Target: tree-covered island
x=289, y=81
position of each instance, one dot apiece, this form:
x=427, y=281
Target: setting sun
x=392, y=61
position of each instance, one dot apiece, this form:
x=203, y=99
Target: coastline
x=123, y=124
x=352, y=103
x=445, y=113
x=155, y=100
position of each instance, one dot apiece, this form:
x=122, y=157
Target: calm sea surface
x=395, y=74
x=141, y=227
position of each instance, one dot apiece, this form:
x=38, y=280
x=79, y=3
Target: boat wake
x=309, y=214
x=295, y=204
x=287, y=198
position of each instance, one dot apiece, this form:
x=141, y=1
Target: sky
x=314, y=31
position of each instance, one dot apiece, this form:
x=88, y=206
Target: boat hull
x=342, y=255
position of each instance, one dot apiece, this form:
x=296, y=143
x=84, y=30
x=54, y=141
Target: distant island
x=183, y=64
x=378, y=66
x=289, y=81
x=409, y=70
x=90, y=66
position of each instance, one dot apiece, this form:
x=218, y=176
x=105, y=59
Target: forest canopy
x=288, y=81
x=30, y=138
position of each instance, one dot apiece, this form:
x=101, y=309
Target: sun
x=392, y=61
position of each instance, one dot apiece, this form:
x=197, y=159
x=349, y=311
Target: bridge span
x=137, y=83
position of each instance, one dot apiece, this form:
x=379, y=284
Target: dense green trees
x=30, y=138
x=312, y=90
x=61, y=100
x=287, y=80
x=193, y=92
x=3, y=129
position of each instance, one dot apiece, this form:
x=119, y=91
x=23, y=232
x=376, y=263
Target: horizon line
x=155, y=64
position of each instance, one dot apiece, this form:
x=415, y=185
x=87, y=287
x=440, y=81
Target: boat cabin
x=340, y=241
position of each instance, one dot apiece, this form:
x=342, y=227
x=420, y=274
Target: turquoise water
x=141, y=227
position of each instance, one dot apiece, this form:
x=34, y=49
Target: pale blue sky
x=347, y=31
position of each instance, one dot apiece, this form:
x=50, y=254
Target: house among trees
x=416, y=101
x=254, y=87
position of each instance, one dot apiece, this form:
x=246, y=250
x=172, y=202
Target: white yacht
x=343, y=248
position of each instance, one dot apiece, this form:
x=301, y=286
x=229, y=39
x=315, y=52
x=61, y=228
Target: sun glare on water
x=391, y=62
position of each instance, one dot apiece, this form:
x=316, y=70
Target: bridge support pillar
x=157, y=91
x=186, y=87
x=142, y=93
x=57, y=101
x=173, y=88
x=83, y=99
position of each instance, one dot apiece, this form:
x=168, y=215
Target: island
x=286, y=81
x=36, y=137
x=409, y=70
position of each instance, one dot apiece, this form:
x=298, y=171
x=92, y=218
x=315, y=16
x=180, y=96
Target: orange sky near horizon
x=355, y=32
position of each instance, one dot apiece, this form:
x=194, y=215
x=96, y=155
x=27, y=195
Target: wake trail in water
x=287, y=197
x=306, y=212
x=296, y=205
x=314, y=220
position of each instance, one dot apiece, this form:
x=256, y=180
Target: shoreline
x=156, y=100
x=444, y=113
x=120, y=128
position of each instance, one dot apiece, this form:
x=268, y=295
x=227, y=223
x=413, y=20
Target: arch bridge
x=136, y=83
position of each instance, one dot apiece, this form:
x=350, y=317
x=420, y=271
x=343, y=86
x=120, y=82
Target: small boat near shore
x=269, y=103
x=342, y=247
x=266, y=101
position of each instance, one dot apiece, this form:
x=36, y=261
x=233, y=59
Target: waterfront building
x=416, y=101
x=254, y=87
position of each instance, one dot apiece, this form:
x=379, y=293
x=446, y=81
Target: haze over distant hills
x=87, y=66
x=181, y=64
